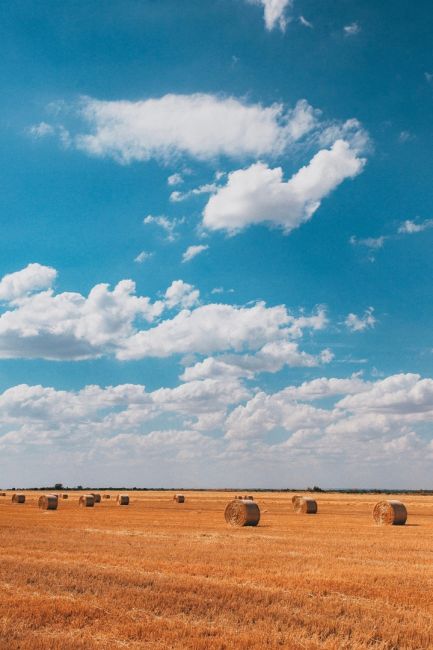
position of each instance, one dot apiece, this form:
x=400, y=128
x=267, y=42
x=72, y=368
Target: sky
x=217, y=225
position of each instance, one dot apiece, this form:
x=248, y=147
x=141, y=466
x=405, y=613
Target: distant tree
x=58, y=486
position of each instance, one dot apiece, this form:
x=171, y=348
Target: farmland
x=159, y=574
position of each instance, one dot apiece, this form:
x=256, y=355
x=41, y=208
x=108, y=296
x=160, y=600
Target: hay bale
x=179, y=498
x=65, y=496
x=295, y=499
x=2, y=494
x=122, y=500
x=18, y=498
x=250, y=498
x=106, y=496
x=242, y=513
x=391, y=513
x=48, y=502
x=86, y=501
x=96, y=496
x=306, y=506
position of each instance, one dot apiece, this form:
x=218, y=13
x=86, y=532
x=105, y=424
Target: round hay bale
x=96, y=496
x=123, y=500
x=295, y=499
x=242, y=513
x=48, y=502
x=19, y=498
x=65, y=496
x=86, y=501
x=107, y=496
x=2, y=494
x=179, y=498
x=391, y=513
x=305, y=506
x=250, y=498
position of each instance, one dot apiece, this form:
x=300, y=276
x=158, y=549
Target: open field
x=157, y=574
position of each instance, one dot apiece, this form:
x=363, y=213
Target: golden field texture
x=159, y=574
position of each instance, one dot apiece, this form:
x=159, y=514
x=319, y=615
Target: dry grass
x=158, y=576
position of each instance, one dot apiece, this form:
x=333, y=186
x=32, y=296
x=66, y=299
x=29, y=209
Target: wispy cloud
x=166, y=224
x=275, y=12
x=356, y=323
x=193, y=251
x=409, y=227
x=352, y=29
x=143, y=257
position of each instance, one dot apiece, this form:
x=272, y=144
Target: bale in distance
x=106, y=496
x=65, y=496
x=96, y=496
x=391, y=513
x=179, y=498
x=86, y=501
x=306, y=506
x=242, y=513
x=48, y=502
x=295, y=499
x=19, y=498
x=123, y=500
x=2, y=494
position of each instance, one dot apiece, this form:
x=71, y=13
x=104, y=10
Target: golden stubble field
x=163, y=575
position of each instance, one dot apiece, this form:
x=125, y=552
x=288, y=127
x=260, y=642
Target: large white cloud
x=200, y=125
x=116, y=322
x=259, y=194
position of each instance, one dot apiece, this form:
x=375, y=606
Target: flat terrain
x=163, y=575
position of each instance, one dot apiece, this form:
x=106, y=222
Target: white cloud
x=41, y=130
x=175, y=179
x=409, y=227
x=352, y=29
x=208, y=188
x=181, y=294
x=259, y=194
x=33, y=277
x=143, y=257
x=369, y=242
x=275, y=12
x=200, y=125
x=305, y=22
x=360, y=323
x=193, y=251
x=167, y=225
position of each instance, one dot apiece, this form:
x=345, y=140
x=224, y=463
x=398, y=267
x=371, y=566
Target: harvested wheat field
x=154, y=575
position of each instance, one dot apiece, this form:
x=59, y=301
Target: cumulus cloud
x=218, y=419
x=193, y=251
x=360, y=323
x=33, y=277
x=199, y=125
x=167, y=225
x=259, y=194
x=352, y=29
x=175, y=179
x=275, y=12
x=181, y=294
x=36, y=322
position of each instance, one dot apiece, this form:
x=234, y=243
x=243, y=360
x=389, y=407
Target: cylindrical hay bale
x=86, y=501
x=65, y=496
x=48, y=502
x=242, y=513
x=19, y=498
x=107, y=496
x=123, y=500
x=250, y=498
x=179, y=498
x=305, y=506
x=2, y=494
x=295, y=500
x=392, y=513
x=97, y=497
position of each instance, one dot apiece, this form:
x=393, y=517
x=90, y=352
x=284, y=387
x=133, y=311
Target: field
x=160, y=575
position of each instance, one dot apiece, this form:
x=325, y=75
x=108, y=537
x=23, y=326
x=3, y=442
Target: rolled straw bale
x=123, y=500
x=86, y=501
x=305, y=506
x=48, y=502
x=242, y=513
x=19, y=498
x=392, y=513
x=107, y=496
x=250, y=498
x=65, y=496
x=295, y=499
x=179, y=498
x=2, y=494
x=96, y=496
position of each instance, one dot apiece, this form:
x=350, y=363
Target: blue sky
x=217, y=223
